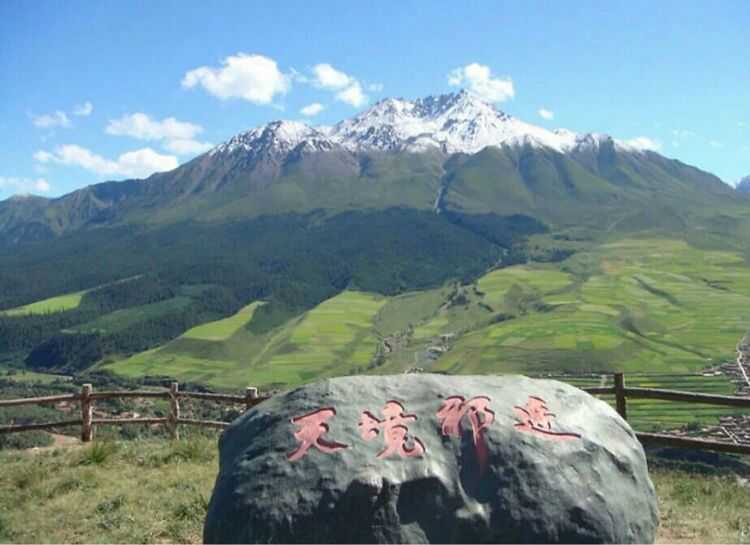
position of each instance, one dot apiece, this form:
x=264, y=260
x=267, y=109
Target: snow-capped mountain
x=374, y=161
x=277, y=136
x=452, y=123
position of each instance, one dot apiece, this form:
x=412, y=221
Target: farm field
x=337, y=337
x=656, y=306
x=59, y=303
x=30, y=377
x=656, y=415
x=221, y=330
x=657, y=309
x=120, y=320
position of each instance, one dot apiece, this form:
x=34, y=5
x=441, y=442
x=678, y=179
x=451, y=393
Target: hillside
x=658, y=309
x=439, y=233
x=153, y=490
x=450, y=152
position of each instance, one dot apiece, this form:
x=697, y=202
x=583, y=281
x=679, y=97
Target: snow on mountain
x=452, y=123
x=278, y=137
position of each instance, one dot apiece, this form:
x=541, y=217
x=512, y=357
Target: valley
x=435, y=235
x=664, y=312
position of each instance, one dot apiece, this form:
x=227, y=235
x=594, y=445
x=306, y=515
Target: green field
x=120, y=320
x=646, y=305
x=659, y=310
x=654, y=414
x=60, y=303
x=337, y=337
x=221, y=330
x=29, y=377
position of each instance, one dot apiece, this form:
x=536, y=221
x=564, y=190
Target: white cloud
x=43, y=156
x=546, y=114
x=50, y=121
x=254, y=78
x=312, y=109
x=83, y=110
x=144, y=162
x=178, y=136
x=478, y=79
x=348, y=88
x=25, y=185
x=644, y=143
x=327, y=77
x=142, y=127
x=138, y=163
x=187, y=147
x=353, y=95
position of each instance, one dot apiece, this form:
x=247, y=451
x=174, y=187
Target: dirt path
x=742, y=363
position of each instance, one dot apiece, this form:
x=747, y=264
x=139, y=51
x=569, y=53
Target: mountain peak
x=276, y=136
x=459, y=122
x=453, y=122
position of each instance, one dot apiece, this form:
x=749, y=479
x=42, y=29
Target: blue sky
x=93, y=91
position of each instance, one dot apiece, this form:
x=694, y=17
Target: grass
x=644, y=306
x=698, y=508
x=651, y=305
x=149, y=491
x=119, y=320
x=656, y=415
x=335, y=338
x=125, y=492
x=409, y=309
x=221, y=330
x=60, y=303
x=23, y=376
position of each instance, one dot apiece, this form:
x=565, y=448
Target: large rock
x=405, y=459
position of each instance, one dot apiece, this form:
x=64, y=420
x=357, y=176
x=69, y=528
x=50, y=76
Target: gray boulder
x=432, y=459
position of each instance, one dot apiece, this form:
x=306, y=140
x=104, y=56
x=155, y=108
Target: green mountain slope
x=658, y=309
x=336, y=337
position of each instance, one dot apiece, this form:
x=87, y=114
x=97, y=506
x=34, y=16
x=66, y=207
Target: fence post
x=251, y=394
x=174, y=410
x=87, y=414
x=620, y=395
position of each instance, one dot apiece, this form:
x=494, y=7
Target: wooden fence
x=87, y=397
x=251, y=398
x=622, y=393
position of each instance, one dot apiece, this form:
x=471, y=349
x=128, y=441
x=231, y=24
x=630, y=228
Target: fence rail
x=87, y=397
x=622, y=393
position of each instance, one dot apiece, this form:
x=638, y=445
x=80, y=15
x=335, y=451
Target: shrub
x=97, y=454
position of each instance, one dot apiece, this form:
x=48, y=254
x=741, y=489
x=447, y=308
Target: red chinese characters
x=452, y=412
x=535, y=418
x=394, y=431
x=312, y=427
x=455, y=408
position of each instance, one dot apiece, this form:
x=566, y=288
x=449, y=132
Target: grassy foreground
x=150, y=491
